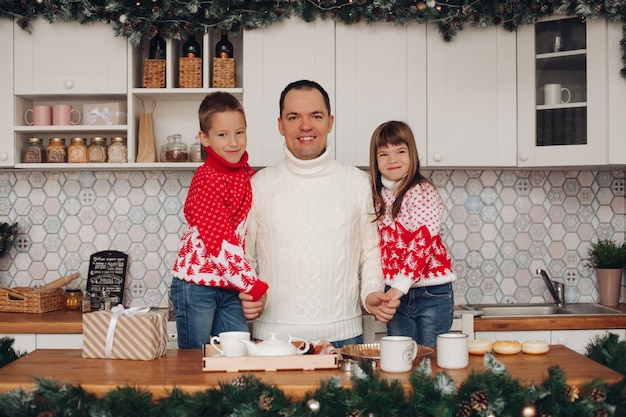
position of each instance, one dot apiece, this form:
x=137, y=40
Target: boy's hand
x=252, y=309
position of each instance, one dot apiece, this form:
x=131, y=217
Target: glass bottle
x=117, y=151
x=105, y=303
x=97, y=151
x=157, y=47
x=33, y=152
x=56, y=152
x=223, y=48
x=77, y=151
x=85, y=302
x=191, y=47
x=177, y=150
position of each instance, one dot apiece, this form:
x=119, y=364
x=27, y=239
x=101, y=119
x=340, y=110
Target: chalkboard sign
x=107, y=272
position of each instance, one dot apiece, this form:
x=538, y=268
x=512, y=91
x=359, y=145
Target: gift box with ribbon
x=136, y=333
x=104, y=114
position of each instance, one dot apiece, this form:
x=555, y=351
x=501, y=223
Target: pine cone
x=479, y=400
x=600, y=411
x=265, y=402
x=464, y=410
x=240, y=382
x=597, y=395
x=354, y=413
x=572, y=393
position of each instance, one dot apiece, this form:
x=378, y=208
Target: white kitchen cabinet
x=31, y=341
x=7, y=150
x=380, y=76
x=471, y=98
x=22, y=342
x=69, y=58
x=617, y=95
x=274, y=57
x=572, y=130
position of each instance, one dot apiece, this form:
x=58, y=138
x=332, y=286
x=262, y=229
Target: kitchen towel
x=134, y=333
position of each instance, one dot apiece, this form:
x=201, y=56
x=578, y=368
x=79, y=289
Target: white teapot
x=275, y=347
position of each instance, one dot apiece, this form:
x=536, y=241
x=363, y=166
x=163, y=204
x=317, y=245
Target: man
x=311, y=233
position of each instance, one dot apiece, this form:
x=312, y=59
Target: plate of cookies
x=372, y=351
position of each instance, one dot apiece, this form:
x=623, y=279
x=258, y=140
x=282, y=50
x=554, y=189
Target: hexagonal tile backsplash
x=500, y=226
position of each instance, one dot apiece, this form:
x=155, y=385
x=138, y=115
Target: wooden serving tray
x=212, y=361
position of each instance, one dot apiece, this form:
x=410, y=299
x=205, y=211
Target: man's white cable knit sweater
x=311, y=237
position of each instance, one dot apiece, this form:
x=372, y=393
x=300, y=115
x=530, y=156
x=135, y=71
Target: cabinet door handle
x=69, y=84
x=437, y=157
x=523, y=157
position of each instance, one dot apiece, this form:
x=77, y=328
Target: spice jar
x=77, y=151
x=195, y=151
x=56, y=152
x=73, y=298
x=85, y=303
x=97, y=151
x=117, y=151
x=177, y=151
x=33, y=151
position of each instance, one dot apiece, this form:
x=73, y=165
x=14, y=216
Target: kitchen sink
x=536, y=310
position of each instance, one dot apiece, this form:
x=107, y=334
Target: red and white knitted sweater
x=412, y=252
x=212, y=248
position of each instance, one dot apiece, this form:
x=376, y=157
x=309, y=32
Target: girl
x=416, y=264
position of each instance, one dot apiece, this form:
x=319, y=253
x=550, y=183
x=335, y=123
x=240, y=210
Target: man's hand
x=252, y=309
x=382, y=306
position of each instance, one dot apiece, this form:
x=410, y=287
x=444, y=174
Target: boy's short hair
x=218, y=102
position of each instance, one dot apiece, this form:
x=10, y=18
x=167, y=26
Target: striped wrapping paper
x=137, y=336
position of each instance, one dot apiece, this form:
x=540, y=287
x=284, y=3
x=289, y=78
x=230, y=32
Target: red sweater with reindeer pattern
x=212, y=247
x=412, y=252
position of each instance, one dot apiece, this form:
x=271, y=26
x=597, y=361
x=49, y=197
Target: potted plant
x=607, y=258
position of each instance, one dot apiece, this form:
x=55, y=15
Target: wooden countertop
x=64, y=322
x=182, y=369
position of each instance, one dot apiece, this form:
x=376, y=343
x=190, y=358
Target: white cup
x=397, y=353
x=228, y=343
x=452, y=351
x=553, y=94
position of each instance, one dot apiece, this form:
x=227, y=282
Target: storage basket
x=190, y=73
x=153, y=73
x=223, y=73
x=27, y=300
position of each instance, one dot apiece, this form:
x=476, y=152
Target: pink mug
x=38, y=116
x=63, y=115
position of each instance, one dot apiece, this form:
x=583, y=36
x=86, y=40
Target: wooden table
x=182, y=369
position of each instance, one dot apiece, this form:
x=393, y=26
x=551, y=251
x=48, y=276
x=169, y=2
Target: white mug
x=553, y=94
x=228, y=343
x=397, y=353
x=452, y=351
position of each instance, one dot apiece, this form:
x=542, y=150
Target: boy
x=211, y=268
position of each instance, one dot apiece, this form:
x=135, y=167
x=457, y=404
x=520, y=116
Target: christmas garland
x=137, y=19
x=492, y=393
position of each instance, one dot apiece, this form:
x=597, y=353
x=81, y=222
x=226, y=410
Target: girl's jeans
x=424, y=313
x=203, y=311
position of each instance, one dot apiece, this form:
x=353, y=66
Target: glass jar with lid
x=33, y=151
x=97, y=150
x=56, y=152
x=77, y=151
x=73, y=298
x=117, y=151
x=195, y=151
x=163, y=154
x=177, y=150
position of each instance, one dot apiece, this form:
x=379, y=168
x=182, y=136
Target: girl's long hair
x=394, y=133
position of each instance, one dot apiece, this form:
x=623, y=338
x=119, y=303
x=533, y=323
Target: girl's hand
x=381, y=306
x=252, y=309
x=395, y=294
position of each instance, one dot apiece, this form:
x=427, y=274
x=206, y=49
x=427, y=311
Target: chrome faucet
x=556, y=288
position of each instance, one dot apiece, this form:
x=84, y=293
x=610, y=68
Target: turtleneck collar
x=387, y=183
x=220, y=164
x=308, y=167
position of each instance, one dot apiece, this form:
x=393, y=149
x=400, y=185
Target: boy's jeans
x=203, y=311
x=424, y=313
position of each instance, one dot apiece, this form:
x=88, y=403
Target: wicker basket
x=153, y=73
x=27, y=300
x=223, y=73
x=190, y=73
